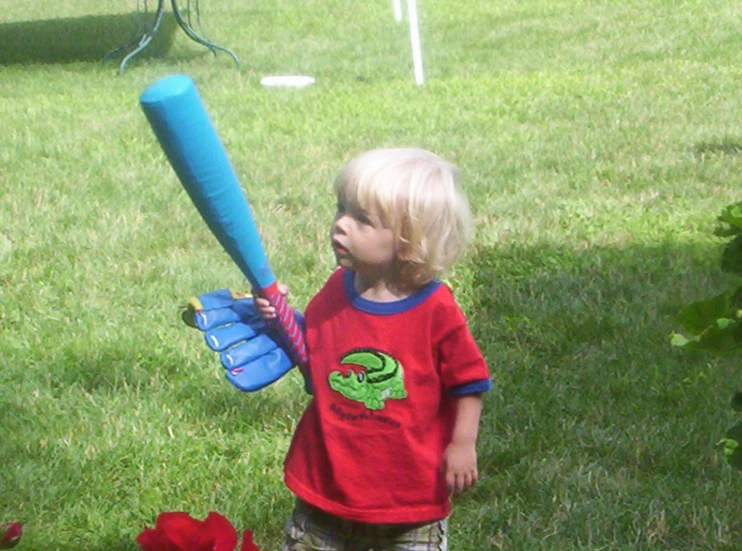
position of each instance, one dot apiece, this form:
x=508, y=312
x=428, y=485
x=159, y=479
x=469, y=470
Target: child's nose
x=340, y=223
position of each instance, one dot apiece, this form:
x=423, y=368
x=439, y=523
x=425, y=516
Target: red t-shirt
x=384, y=378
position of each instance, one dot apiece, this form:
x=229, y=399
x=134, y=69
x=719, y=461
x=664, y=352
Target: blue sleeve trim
x=475, y=387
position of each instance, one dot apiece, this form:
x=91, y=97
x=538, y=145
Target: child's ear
x=403, y=250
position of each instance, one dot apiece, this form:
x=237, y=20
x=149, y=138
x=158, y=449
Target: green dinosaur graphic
x=383, y=378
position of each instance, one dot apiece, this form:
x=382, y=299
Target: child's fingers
x=463, y=483
x=282, y=288
x=263, y=306
x=262, y=302
x=460, y=482
x=453, y=479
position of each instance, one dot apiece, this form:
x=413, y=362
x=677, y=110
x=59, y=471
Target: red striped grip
x=287, y=325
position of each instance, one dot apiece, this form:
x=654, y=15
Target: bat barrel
x=182, y=126
x=179, y=120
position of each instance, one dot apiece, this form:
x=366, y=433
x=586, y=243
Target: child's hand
x=459, y=466
x=264, y=308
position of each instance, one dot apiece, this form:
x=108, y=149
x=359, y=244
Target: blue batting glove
x=249, y=349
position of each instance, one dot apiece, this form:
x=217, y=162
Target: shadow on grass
x=87, y=38
x=588, y=385
x=585, y=334
x=724, y=147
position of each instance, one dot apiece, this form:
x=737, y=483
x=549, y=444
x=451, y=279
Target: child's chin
x=343, y=261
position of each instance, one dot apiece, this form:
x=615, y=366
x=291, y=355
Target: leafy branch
x=715, y=324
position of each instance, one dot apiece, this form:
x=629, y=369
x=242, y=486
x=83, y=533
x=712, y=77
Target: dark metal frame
x=147, y=27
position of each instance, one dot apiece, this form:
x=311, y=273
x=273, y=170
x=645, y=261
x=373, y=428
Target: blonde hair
x=417, y=195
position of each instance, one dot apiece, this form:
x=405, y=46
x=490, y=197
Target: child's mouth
x=338, y=248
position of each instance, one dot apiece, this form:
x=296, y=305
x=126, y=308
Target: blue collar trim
x=386, y=308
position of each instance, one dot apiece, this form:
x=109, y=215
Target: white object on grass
x=417, y=56
x=397, y=5
x=291, y=81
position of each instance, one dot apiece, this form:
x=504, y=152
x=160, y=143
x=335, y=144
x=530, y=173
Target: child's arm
x=459, y=463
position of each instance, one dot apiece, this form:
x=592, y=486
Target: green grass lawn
x=599, y=141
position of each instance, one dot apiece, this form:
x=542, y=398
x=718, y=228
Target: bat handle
x=287, y=325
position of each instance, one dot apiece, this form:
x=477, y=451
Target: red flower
x=181, y=532
x=216, y=534
x=247, y=543
x=10, y=534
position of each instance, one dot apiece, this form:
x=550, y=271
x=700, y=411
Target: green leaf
x=722, y=336
x=728, y=445
x=724, y=323
x=730, y=221
x=731, y=256
x=680, y=340
x=732, y=452
x=699, y=315
x=731, y=446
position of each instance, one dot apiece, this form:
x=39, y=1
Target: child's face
x=360, y=241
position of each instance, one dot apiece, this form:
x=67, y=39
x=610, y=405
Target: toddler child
x=396, y=377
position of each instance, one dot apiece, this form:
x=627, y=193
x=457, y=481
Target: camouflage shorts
x=310, y=529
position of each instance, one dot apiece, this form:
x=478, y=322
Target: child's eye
x=364, y=219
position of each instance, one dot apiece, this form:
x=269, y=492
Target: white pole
x=417, y=56
x=397, y=10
